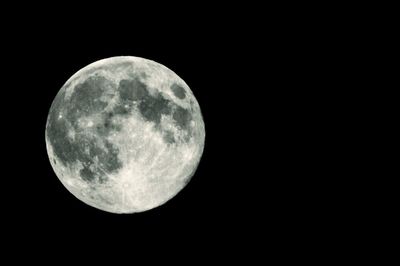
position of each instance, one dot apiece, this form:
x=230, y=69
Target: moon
x=125, y=134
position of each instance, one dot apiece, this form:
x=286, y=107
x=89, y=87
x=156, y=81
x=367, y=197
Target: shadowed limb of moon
x=125, y=134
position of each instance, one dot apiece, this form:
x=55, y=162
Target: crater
x=178, y=91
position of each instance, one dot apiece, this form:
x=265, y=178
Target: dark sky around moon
x=212, y=192
x=245, y=76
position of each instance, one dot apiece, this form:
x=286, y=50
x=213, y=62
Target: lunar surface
x=125, y=134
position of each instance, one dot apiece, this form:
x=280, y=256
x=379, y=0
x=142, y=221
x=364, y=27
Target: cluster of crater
x=86, y=100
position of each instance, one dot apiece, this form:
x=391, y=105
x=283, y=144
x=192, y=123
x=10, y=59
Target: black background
x=249, y=69
x=216, y=61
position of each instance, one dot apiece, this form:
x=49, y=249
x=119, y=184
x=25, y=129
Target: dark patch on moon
x=108, y=160
x=132, y=90
x=182, y=117
x=87, y=174
x=168, y=137
x=107, y=124
x=150, y=107
x=123, y=109
x=178, y=91
x=57, y=131
x=85, y=99
x=84, y=148
x=112, y=162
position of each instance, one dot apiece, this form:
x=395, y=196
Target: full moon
x=125, y=134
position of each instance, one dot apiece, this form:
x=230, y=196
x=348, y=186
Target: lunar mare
x=125, y=134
